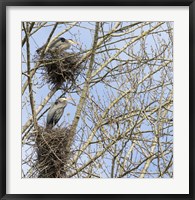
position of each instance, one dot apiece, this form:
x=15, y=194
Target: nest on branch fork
x=61, y=68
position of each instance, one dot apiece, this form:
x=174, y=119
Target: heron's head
x=62, y=102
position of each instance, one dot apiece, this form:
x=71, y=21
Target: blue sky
x=106, y=94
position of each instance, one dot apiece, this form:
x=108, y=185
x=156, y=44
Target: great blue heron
x=56, y=111
x=59, y=45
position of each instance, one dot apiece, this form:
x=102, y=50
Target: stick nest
x=61, y=68
x=52, y=152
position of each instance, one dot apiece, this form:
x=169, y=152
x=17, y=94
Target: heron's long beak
x=73, y=42
x=64, y=99
x=68, y=100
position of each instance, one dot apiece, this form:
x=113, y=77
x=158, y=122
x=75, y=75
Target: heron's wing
x=39, y=49
x=50, y=114
x=55, y=44
x=58, y=114
x=54, y=115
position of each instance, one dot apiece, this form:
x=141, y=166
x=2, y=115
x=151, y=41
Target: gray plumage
x=55, y=112
x=59, y=45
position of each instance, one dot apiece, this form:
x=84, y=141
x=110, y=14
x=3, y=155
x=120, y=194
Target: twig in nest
x=52, y=152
